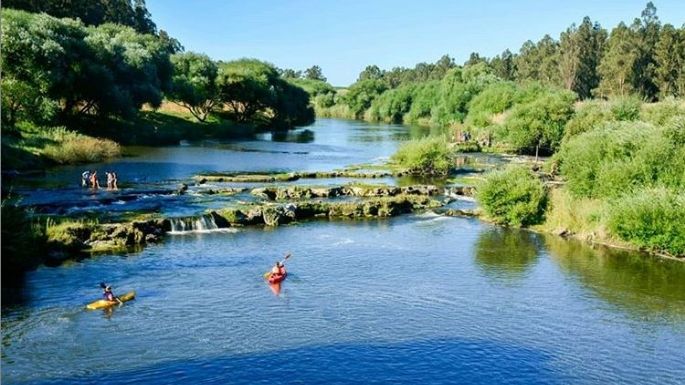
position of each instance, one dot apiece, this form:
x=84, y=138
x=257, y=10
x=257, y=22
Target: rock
x=182, y=189
x=202, y=181
x=277, y=215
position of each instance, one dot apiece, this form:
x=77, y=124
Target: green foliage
x=429, y=155
x=513, y=196
x=627, y=108
x=109, y=69
x=425, y=95
x=22, y=245
x=611, y=160
x=651, y=218
x=587, y=116
x=92, y=12
x=494, y=99
x=662, y=112
x=540, y=123
x=57, y=145
x=392, y=105
x=255, y=93
x=194, y=84
x=360, y=95
x=314, y=73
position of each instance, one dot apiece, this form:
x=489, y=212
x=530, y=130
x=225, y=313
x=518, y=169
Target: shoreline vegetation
x=606, y=107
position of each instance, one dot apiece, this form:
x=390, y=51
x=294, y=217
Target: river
x=417, y=298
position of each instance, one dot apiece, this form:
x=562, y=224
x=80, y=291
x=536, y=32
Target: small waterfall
x=203, y=223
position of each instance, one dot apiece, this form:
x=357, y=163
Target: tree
x=617, y=64
x=669, y=55
x=289, y=73
x=245, y=86
x=314, y=73
x=194, y=84
x=580, y=53
x=503, y=65
x=539, y=124
x=370, y=72
x=255, y=93
x=538, y=61
x=647, y=31
x=474, y=58
x=360, y=95
x=92, y=12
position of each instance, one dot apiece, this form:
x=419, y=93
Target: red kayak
x=276, y=278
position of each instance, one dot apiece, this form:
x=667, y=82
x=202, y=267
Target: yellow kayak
x=103, y=303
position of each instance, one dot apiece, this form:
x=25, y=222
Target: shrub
x=662, y=112
x=72, y=147
x=588, y=115
x=540, y=122
x=612, y=159
x=626, y=108
x=513, y=196
x=651, y=218
x=429, y=155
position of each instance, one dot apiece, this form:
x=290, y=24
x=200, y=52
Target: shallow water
x=415, y=298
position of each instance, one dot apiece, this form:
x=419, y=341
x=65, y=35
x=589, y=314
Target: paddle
x=266, y=275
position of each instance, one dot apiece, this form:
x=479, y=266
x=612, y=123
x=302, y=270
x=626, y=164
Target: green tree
x=289, y=73
x=314, y=73
x=580, y=53
x=194, y=84
x=539, y=124
x=616, y=66
x=539, y=61
x=92, y=12
x=370, y=72
x=360, y=95
x=245, y=86
x=503, y=65
x=669, y=55
x=647, y=31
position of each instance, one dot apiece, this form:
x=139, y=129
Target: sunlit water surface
x=419, y=298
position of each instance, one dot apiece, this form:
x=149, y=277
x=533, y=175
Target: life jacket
x=109, y=296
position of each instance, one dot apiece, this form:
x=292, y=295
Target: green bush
x=429, y=155
x=662, y=112
x=587, y=116
x=23, y=243
x=540, y=122
x=495, y=98
x=613, y=159
x=513, y=196
x=651, y=218
x=626, y=108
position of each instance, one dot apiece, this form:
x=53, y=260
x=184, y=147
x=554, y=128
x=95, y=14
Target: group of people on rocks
x=89, y=178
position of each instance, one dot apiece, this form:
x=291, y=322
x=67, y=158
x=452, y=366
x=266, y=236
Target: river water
x=418, y=298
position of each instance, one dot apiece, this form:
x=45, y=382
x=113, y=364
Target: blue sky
x=343, y=37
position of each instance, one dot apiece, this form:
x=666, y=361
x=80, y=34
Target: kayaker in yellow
x=108, y=294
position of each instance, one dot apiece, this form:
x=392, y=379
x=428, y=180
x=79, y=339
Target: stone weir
x=82, y=237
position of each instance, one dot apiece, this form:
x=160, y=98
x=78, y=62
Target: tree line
x=645, y=58
x=109, y=64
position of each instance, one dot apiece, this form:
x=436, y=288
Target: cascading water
x=203, y=223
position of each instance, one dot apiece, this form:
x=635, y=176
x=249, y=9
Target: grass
x=36, y=147
x=583, y=217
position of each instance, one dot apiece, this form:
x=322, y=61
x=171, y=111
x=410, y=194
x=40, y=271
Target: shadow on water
x=506, y=253
x=637, y=283
x=441, y=361
x=304, y=136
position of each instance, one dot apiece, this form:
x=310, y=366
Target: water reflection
x=506, y=253
x=304, y=136
x=642, y=285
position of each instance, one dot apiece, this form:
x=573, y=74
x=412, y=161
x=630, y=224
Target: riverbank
x=87, y=140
